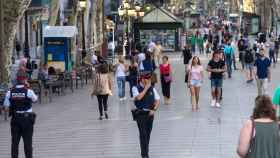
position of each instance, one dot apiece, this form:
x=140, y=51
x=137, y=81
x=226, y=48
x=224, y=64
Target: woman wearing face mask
x=195, y=80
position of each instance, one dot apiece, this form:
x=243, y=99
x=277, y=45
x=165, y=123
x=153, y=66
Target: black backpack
x=249, y=57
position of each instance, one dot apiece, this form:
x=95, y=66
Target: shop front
x=251, y=23
x=159, y=25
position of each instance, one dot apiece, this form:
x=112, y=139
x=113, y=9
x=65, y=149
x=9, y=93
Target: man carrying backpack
x=249, y=59
x=241, y=49
x=229, y=53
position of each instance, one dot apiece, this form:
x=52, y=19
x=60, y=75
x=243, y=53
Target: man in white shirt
x=94, y=59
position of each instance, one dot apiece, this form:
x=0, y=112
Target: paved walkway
x=68, y=127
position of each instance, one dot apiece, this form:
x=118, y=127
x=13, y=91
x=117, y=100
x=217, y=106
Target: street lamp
x=241, y=17
x=189, y=7
x=82, y=6
x=26, y=42
x=129, y=10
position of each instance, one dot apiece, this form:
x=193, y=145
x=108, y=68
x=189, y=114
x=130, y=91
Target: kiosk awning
x=60, y=31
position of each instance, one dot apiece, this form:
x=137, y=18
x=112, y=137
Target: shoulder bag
x=97, y=87
x=252, y=139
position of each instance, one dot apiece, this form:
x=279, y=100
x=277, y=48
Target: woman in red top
x=166, y=79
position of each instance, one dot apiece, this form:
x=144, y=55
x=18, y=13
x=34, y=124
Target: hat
x=21, y=75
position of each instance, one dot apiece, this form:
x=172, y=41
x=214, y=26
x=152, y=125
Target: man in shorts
x=216, y=67
x=249, y=64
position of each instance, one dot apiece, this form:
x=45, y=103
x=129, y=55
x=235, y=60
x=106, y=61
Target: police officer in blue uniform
x=19, y=102
x=147, y=101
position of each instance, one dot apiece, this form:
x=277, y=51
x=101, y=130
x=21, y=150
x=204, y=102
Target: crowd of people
x=149, y=67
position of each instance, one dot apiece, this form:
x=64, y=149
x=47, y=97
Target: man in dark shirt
x=241, y=49
x=216, y=67
x=187, y=55
x=263, y=72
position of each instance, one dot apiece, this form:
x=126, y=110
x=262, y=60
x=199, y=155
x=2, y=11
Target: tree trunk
x=73, y=21
x=54, y=12
x=99, y=26
x=11, y=12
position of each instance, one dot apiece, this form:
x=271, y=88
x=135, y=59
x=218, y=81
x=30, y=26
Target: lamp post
x=241, y=17
x=82, y=6
x=188, y=10
x=1, y=28
x=26, y=42
x=127, y=11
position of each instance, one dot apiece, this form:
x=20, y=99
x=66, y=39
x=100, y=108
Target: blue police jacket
x=147, y=101
x=19, y=100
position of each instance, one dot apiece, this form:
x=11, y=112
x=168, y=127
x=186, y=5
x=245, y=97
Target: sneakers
x=100, y=118
x=213, y=103
x=106, y=116
x=218, y=105
x=122, y=99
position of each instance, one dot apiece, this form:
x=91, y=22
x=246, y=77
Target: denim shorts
x=216, y=83
x=249, y=66
x=195, y=83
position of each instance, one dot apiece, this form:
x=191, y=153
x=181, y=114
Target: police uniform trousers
x=22, y=126
x=145, y=125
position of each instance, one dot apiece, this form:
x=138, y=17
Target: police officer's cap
x=21, y=75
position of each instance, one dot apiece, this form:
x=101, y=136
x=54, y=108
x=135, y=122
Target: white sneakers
x=122, y=99
x=215, y=104
x=218, y=105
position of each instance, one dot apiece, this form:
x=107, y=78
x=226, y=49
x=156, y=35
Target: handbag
x=252, y=139
x=97, y=88
x=167, y=78
x=186, y=77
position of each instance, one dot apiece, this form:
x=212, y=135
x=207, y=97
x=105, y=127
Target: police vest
x=147, y=101
x=19, y=100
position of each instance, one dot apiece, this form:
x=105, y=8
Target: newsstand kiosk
x=57, y=46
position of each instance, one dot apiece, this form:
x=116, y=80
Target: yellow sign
x=50, y=57
x=58, y=65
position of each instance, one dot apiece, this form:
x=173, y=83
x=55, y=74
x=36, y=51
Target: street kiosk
x=57, y=46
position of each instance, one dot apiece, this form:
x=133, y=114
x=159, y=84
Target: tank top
x=266, y=143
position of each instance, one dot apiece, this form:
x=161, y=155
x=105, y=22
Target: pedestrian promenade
x=69, y=126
